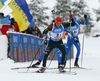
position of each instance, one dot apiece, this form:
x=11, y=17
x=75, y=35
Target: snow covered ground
x=91, y=59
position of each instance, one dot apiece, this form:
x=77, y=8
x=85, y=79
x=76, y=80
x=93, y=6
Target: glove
x=45, y=43
x=85, y=16
x=72, y=20
x=50, y=26
x=76, y=41
x=71, y=16
x=53, y=21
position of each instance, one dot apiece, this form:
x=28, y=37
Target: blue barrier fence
x=23, y=47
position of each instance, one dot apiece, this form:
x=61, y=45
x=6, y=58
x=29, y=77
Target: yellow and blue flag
x=21, y=14
x=2, y=3
x=4, y=20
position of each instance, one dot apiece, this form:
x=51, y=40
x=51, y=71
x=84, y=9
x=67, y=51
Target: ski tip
x=12, y=69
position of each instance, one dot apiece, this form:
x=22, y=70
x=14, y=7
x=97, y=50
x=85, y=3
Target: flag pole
x=4, y=8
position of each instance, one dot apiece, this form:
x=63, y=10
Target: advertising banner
x=24, y=48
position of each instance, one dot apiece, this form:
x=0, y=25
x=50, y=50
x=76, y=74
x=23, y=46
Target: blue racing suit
x=74, y=36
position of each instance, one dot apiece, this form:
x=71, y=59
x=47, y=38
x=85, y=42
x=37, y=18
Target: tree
x=62, y=9
x=97, y=11
x=38, y=12
x=91, y=24
x=79, y=10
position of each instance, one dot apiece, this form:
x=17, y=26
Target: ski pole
x=37, y=52
x=51, y=59
x=70, y=45
x=83, y=44
x=70, y=48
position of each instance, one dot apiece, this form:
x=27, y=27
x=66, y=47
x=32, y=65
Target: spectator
x=1, y=14
x=14, y=24
x=11, y=28
x=36, y=31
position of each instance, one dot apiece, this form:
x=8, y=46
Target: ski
x=1, y=59
x=58, y=72
x=29, y=67
x=30, y=72
x=23, y=68
x=67, y=72
x=78, y=68
x=16, y=68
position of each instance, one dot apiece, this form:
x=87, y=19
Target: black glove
x=53, y=21
x=45, y=43
x=72, y=20
x=85, y=16
x=76, y=41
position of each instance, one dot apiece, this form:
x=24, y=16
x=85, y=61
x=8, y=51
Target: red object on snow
x=4, y=29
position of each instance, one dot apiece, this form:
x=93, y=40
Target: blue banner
x=14, y=46
x=25, y=48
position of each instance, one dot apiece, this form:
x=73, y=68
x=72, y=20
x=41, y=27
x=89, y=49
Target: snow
x=3, y=47
x=91, y=59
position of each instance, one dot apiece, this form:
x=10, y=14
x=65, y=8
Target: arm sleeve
x=66, y=25
x=79, y=22
x=86, y=22
x=48, y=29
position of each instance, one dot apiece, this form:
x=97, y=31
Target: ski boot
x=41, y=70
x=76, y=63
x=64, y=65
x=36, y=64
x=61, y=68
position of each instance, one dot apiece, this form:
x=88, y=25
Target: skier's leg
x=41, y=57
x=68, y=47
x=78, y=53
x=50, y=47
x=39, y=61
x=63, y=50
x=59, y=56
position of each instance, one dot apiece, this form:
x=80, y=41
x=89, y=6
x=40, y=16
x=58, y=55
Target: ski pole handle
x=44, y=38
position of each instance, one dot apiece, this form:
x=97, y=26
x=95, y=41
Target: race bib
x=56, y=36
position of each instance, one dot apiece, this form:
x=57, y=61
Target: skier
x=74, y=38
x=42, y=55
x=55, y=40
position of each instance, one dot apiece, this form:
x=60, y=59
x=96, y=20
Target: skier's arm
x=85, y=22
x=48, y=29
x=66, y=25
